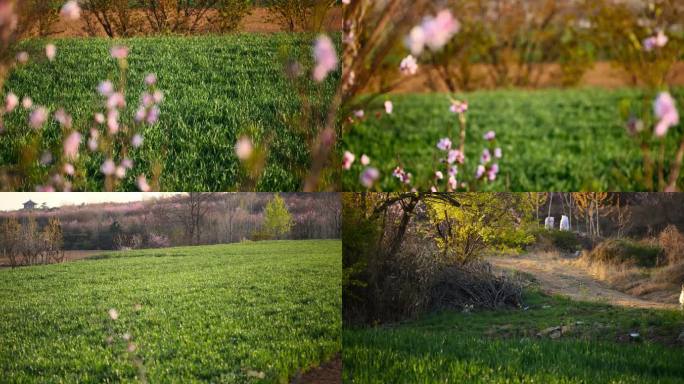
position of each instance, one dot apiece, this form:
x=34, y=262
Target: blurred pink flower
x=38, y=117
x=489, y=136
x=389, y=107
x=365, y=160
x=69, y=169
x=433, y=32
x=369, y=176
x=453, y=170
x=147, y=100
x=325, y=57
x=116, y=100
x=359, y=113
x=105, y=88
x=158, y=96
x=23, y=57
x=459, y=107
x=498, y=153
x=347, y=160
x=127, y=163
x=402, y=175
x=658, y=41
x=486, y=156
x=99, y=118
x=92, y=141
x=453, y=184
x=27, y=102
x=142, y=183
x=50, y=51
x=63, y=118
x=444, y=144
x=455, y=156
x=113, y=314
x=439, y=175
x=244, y=148
x=108, y=167
x=137, y=141
x=140, y=114
x=120, y=172
x=119, y=52
x=71, y=144
x=433, y=189
x=480, y=171
x=153, y=115
x=71, y=11
x=11, y=102
x=665, y=110
x=151, y=79
x=113, y=121
x=408, y=66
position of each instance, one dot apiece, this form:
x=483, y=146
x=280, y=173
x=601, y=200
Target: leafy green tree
x=277, y=219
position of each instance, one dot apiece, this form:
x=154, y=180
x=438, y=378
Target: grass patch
x=626, y=251
x=502, y=346
x=216, y=88
x=552, y=140
x=213, y=313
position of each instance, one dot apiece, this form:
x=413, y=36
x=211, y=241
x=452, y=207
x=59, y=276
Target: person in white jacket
x=565, y=223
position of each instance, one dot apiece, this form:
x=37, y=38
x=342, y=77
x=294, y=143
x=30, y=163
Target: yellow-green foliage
x=482, y=222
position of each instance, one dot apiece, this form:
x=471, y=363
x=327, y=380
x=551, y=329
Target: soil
x=555, y=275
x=259, y=21
x=602, y=75
x=68, y=256
x=328, y=373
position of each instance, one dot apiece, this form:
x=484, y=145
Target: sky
x=10, y=201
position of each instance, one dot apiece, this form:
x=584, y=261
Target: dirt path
x=556, y=276
x=328, y=373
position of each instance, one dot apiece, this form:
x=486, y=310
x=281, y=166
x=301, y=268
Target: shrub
x=114, y=16
x=307, y=15
x=672, y=274
x=229, y=14
x=672, y=242
x=625, y=251
x=564, y=241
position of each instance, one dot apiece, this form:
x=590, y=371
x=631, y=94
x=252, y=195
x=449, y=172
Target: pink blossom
x=142, y=183
x=119, y=52
x=365, y=160
x=389, y=107
x=453, y=184
x=71, y=144
x=63, y=118
x=11, y=102
x=359, y=113
x=244, y=148
x=99, y=118
x=147, y=100
x=116, y=100
x=137, y=141
x=433, y=189
x=23, y=57
x=113, y=121
x=486, y=156
x=108, y=167
x=50, y=51
x=433, y=32
x=665, y=109
x=346, y=2
x=150, y=79
x=71, y=11
x=408, y=66
x=493, y=171
x=657, y=41
x=480, y=171
x=69, y=169
x=455, y=156
x=27, y=102
x=127, y=163
x=38, y=117
x=325, y=57
x=444, y=144
x=113, y=314
x=153, y=115
x=45, y=188
x=158, y=96
x=402, y=175
x=439, y=175
x=369, y=176
x=498, y=153
x=140, y=114
x=105, y=88
x=120, y=172
x=453, y=170
x=459, y=107
x=92, y=141
x=347, y=160
x=489, y=136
